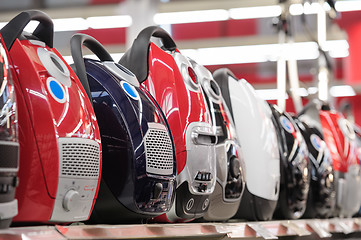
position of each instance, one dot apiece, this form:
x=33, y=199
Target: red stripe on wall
x=107, y=36
x=214, y=29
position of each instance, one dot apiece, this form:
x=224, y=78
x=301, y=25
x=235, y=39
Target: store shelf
x=307, y=229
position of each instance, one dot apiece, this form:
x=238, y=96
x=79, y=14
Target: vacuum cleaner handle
x=136, y=59
x=76, y=43
x=44, y=31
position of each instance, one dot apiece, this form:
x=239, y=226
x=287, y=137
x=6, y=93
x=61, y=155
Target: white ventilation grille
x=159, y=150
x=79, y=158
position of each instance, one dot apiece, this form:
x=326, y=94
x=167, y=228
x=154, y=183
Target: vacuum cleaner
x=60, y=149
x=295, y=168
x=339, y=136
x=139, y=161
x=225, y=200
x=257, y=135
x=9, y=144
x=321, y=198
x=171, y=80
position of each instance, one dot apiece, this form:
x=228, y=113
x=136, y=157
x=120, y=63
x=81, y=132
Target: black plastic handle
x=44, y=31
x=76, y=43
x=136, y=58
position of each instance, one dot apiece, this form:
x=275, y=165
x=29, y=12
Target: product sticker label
x=286, y=124
x=316, y=142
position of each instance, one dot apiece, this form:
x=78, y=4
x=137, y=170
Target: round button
x=234, y=167
x=71, y=200
x=205, y=204
x=190, y=204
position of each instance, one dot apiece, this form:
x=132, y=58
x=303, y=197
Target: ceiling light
x=255, y=12
x=346, y=6
x=116, y=57
x=270, y=94
x=70, y=24
x=191, y=16
x=109, y=21
x=342, y=91
x=253, y=53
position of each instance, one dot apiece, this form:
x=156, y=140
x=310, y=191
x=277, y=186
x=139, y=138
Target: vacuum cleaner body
x=295, y=168
x=139, y=164
x=322, y=194
x=9, y=145
x=339, y=136
x=60, y=151
x=171, y=80
x=257, y=136
x=225, y=200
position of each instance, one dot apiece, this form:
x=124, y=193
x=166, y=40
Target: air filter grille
x=159, y=150
x=79, y=158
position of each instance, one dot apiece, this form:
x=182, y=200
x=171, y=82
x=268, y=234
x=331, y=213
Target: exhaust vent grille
x=79, y=158
x=159, y=150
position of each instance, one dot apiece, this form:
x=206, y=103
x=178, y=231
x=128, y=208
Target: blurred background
x=238, y=34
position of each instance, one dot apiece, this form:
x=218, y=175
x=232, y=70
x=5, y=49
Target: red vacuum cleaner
x=60, y=149
x=171, y=80
x=339, y=136
x=9, y=145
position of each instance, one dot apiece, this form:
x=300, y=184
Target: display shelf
x=312, y=228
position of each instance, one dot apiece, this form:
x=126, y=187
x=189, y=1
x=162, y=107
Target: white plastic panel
x=257, y=136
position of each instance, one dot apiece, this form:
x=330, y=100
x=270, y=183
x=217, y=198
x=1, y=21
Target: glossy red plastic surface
x=180, y=105
x=42, y=120
x=342, y=148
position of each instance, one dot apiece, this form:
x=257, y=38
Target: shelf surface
x=320, y=228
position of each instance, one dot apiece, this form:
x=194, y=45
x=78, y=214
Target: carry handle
x=136, y=58
x=76, y=43
x=154, y=31
x=44, y=31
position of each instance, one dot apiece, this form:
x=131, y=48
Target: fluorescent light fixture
x=337, y=48
x=269, y=94
x=255, y=12
x=70, y=24
x=335, y=91
x=116, y=57
x=301, y=92
x=342, y=91
x=312, y=90
x=307, y=8
x=296, y=9
x=120, y=21
x=191, y=16
x=346, y=6
x=253, y=53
